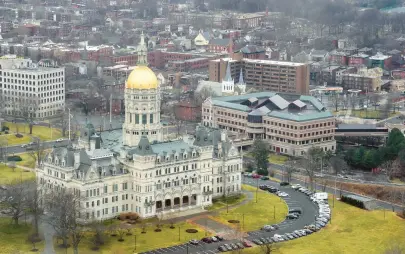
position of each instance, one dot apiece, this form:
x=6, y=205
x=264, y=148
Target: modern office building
x=266, y=75
x=135, y=170
x=23, y=83
x=290, y=123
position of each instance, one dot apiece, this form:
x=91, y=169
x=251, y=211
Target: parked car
x=272, y=190
x=222, y=248
x=295, y=210
x=282, y=194
x=296, y=186
x=207, y=240
x=264, y=178
x=220, y=238
x=284, y=183
x=292, y=216
x=60, y=140
x=240, y=246
x=256, y=176
x=214, y=239
x=246, y=244
x=194, y=242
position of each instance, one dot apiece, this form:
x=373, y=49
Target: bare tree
x=290, y=166
x=28, y=110
x=267, y=248
x=63, y=207
x=14, y=111
x=12, y=165
x=63, y=120
x=353, y=102
x=14, y=199
x=3, y=149
x=38, y=151
x=99, y=237
x=34, y=204
x=312, y=162
x=388, y=166
x=375, y=99
x=203, y=94
x=337, y=164
x=336, y=101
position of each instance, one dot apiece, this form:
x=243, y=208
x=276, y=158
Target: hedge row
x=353, y=202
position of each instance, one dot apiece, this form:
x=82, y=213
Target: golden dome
x=142, y=77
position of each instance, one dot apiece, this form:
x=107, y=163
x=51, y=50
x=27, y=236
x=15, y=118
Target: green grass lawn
x=13, y=238
x=42, y=132
x=27, y=160
x=7, y=175
x=11, y=139
x=223, y=202
x=144, y=242
x=277, y=158
x=353, y=230
x=256, y=214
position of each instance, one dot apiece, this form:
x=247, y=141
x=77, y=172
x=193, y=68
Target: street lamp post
x=134, y=241
x=257, y=188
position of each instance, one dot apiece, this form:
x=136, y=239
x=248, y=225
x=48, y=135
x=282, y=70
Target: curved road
x=295, y=200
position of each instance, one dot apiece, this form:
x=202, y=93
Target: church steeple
x=227, y=82
x=228, y=76
x=142, y=51
x=241, y=81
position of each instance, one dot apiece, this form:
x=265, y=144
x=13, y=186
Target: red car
x=256, y=176
x=207, y=239
x=246, y=244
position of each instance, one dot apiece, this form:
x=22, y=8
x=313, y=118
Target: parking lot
x=294, y=200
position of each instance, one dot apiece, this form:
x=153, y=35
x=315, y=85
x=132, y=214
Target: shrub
x=5, y=128
x=128, y=216
x=18, y=135
x=6, y=132
x=271, y=173
x=353, y=202
x=14, y=158
x=191, y=230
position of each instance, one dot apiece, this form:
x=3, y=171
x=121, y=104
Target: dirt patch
x=233, y=221
x=191, y=230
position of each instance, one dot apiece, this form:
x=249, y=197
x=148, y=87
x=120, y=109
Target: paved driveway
x=295, y=200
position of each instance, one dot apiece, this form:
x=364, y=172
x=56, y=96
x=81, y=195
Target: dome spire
x=142, y=52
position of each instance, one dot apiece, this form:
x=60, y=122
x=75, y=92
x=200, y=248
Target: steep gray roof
x=279, y=101
x=221, y=42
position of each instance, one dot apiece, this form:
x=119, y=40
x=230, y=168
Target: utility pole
x=274, y=208
x=110, y=112
x=69, y=123
x=179, y=233
x=257, y=189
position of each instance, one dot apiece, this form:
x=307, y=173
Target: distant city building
x=40, y=85
x=366, y=80
x=267, y=75
x=290, y=123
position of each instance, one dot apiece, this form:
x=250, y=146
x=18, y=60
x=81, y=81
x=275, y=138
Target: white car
x=282, y=194
x=60, y=140
x=296, y=186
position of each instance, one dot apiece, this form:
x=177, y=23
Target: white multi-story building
x=23, y=82
x=143, y=173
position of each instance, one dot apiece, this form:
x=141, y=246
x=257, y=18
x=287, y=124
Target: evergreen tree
x=261, y=153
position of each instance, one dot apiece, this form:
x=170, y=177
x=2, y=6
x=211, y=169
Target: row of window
x=30, y=76
x=309, y=134
x=143, y=118
x=105, y=211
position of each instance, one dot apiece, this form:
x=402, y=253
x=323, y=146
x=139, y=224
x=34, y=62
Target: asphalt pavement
x=294, y=200
x=49, y=144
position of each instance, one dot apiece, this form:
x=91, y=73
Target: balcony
x=206, y=193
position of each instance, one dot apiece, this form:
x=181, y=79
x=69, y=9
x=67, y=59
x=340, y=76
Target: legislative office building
x=143, y=173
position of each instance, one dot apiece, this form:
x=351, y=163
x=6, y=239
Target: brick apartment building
x=267, y=75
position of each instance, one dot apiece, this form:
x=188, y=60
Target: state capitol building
x=140, y=172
